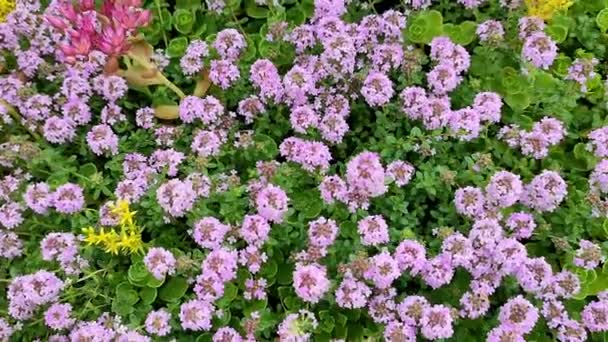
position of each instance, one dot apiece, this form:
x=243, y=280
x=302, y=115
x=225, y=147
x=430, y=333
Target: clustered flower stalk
x=127, y=239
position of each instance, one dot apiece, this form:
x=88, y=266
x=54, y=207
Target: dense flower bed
x=298, y=170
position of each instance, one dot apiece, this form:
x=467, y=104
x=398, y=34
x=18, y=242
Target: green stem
x=162, y=22
x=171, y=86
x=17, y=119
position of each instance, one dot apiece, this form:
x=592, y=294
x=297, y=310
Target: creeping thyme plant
x=303, y=170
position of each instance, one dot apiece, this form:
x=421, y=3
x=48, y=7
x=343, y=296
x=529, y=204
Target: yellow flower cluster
x=547, y=8
x=127, y=240
x=6, y=7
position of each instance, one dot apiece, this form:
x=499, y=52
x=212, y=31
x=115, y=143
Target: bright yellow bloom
x=545, y=9
x=112, y=245
x=121, y=208
x=6, y=7
x=127, y=239
x=131, y=242
x=91, y=237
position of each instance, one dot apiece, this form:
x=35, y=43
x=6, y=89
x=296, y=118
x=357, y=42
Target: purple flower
x=68, y=199
x=521, y=224
x=518, y=314
x=410, y=256
x=490, y=31
x=458, y=248
x=397, y=331
x=322, y=232
x=255, y=230
x=352, y=293
x=411, y=308
x=209, y=287
x=589, y=255
x=227, y=334
x=502, y=333
x=303, y=118
x=377, y=89
x=176, y=197
x=111, y=87
x=207, y=143
x=310, y=282
x=77, y=111
x=571, y=331
x=297, y=326
x=469, y=201
x=102, y=140
x=58, y=130
x=504, y=189
x=223, y=73
x=57, y=316
x=255, y=289
x=488, y=105
x=436, y=322
x=229, y=43
x=196, y=315
x=10, y=246
x=465, y=123
x=265, y=76
x=157, y=322
x=160, y=262
x=599, y=142
x=545, y=192
x=443, y=79
x=222, y=262
x=530, y=25
x=192, y=61
x=373, y=230
x=474, y=304
x=438, y=271
x=382, y=270
x=540, y=50
x=551, y=128
x=401, y=172
x=209, y=232
x=11, y=215
x=271, y=203
x=253, y=258
x=169, y=159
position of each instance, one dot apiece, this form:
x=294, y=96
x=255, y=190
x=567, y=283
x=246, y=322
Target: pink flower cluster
x=87, y=29
x=545, y=133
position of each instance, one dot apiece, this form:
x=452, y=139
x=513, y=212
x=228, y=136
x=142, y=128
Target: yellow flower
x=545, y=9
x=132, y=242
x=112, y=245
x=91, y=237
x=6, y=7
x=121, y=208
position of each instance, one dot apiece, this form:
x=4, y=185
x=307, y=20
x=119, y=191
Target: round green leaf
x=173, y=290
x=147, y=295
x=424, y=27
x=126, y=294
x=183, y=20
x=602, y=19
x=559, y=33
x=177, y=47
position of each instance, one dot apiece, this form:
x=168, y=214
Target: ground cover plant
x=299, y=170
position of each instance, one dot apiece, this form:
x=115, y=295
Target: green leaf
x=462, y=34
x=88, y=169
x=230, y=294
x=518, y=102
x=266, y=145
x=148, y=295
x=602, y=19
x=255, y=11
x=183, y=20
x=173, y=290
x=424, y=27
x=559, y=33
x=137, y=273
x=177, y=47
x=126, y=294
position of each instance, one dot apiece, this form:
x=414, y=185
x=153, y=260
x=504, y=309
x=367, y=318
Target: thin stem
x=17, y=118
x=162, y=22
x=171, y=86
